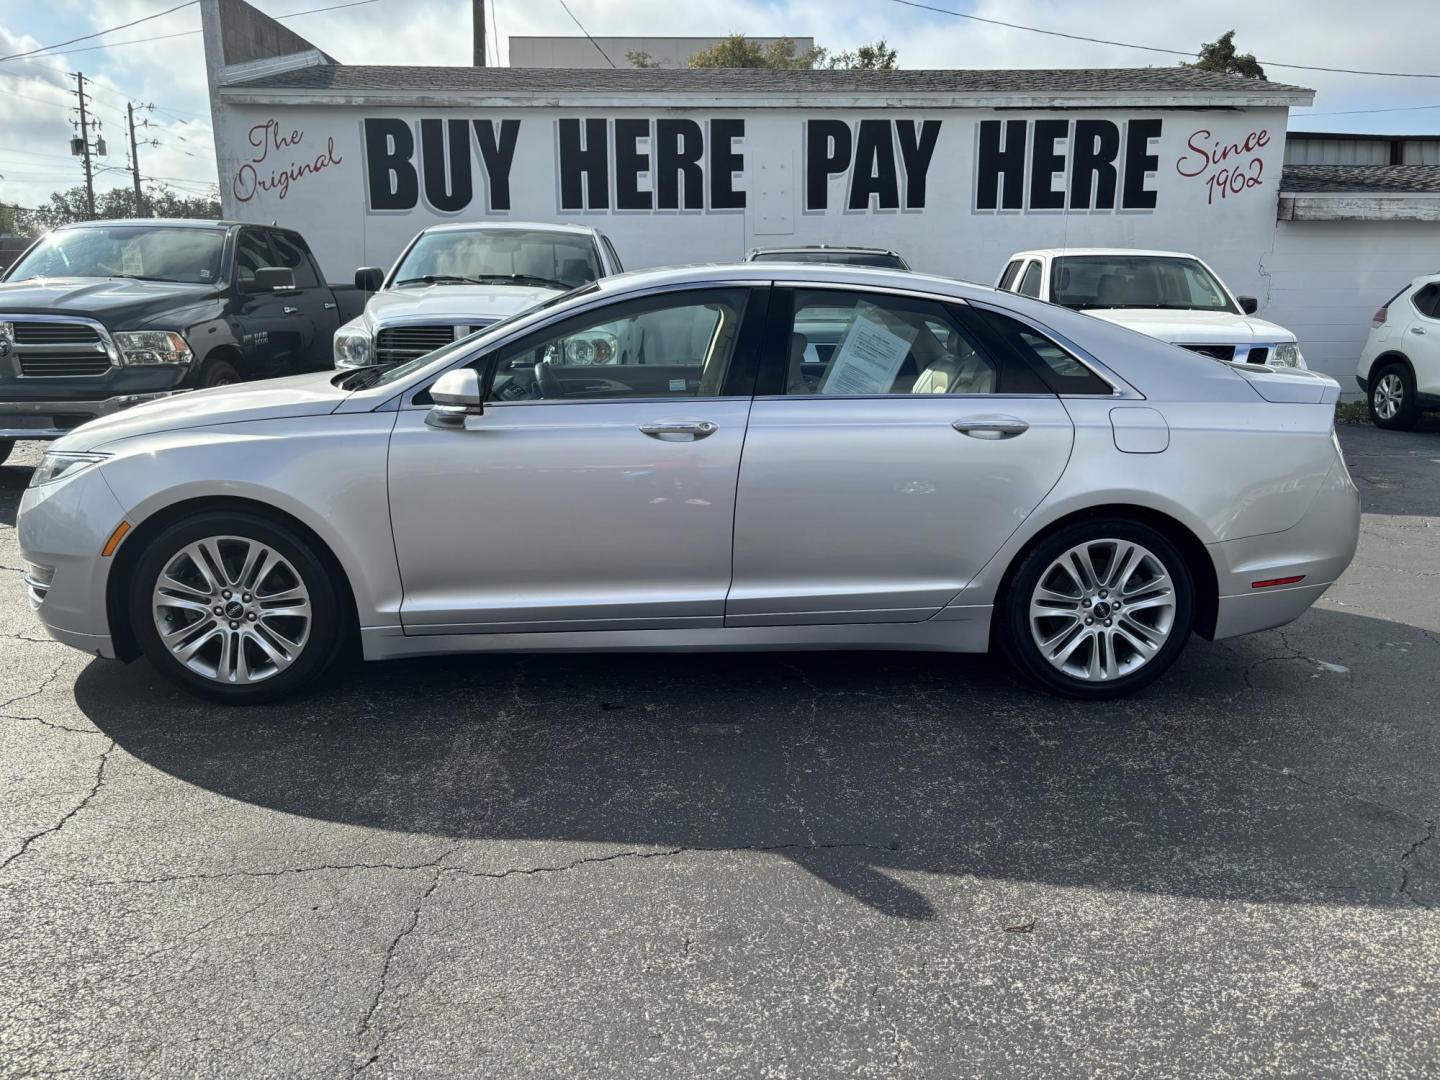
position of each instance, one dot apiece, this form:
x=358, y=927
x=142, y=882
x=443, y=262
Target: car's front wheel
x=236, y=607
x=1098, y=609
x=1392, y=398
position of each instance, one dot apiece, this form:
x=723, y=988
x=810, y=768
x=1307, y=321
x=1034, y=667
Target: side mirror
x=456, y=395
x=1248, y=304
x=369, y=278
x=270, y=278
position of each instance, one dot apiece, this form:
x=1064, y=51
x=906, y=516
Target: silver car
x=757, y=456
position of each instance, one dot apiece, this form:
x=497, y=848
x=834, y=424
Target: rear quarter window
x=1057, y=367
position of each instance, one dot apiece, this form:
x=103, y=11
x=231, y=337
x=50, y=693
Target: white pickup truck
x=455, y=279
x=1166, y=294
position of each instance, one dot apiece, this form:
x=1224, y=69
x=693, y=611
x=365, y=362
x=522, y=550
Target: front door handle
x=291, y=310
x=696, y=429
x=330, y=305
x=991, y=427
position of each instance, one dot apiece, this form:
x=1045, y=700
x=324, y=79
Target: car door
x=312, y=306
x=877, y=482
x=597, y=489
x=1421, y=338
x=268, y=327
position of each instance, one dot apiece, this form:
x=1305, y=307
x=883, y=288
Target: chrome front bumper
x=43, y=419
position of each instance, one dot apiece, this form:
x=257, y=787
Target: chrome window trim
x=596, y=300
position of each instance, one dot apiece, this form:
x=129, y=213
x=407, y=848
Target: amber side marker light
x=1272, y=582
x=115, y=538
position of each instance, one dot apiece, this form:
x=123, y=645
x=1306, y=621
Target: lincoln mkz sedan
x=756, y=456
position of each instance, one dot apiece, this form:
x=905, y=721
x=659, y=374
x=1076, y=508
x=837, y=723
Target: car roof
x=843, y=249
x=1052, y=253
x=177, y=223
x=533, y=226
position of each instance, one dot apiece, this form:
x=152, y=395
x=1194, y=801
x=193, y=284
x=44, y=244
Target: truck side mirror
x=269, y=278
x=1248, y=304
x=369, y=278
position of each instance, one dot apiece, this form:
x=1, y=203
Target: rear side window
x=1427, y=301
x=1007, y=279
x=1030, y=283
x=1060, y=370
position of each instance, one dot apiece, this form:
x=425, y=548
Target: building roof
x=1361, y=179
x=1057, y=86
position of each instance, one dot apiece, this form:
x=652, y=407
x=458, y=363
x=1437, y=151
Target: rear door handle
x=330, y=305
x=1417, y=330
x=696, y=429
x=991, y=427
x=291, y=310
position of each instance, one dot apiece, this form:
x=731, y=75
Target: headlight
x=352, y=348
x=1288, y=354
x=62, y=464
x=153, y=347
x=587, y=350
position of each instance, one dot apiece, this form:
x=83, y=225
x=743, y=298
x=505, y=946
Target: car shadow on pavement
x=1258, y=770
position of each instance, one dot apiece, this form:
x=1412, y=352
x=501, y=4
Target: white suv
x=1400, y=365
x=1166, y=294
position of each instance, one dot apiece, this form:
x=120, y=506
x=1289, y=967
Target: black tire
x=1013, y=629
x=329, y=626
x=217, y=372
x=1383, y=381
x=6, y=446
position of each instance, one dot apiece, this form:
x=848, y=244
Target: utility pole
x=477, y=23
x=134, y=160
x=85, y=146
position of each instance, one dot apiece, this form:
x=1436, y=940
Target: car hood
x=97, y=297
x=271, y=399
x=1195, y=327
x=452, y=302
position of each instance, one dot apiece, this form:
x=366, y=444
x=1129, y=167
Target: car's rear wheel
x=1098, y=609
x=1392, y=398
x=236, y=607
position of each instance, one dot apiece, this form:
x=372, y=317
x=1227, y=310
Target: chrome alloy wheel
x=1102, y=610
x=1389, y=396
x=232, y=609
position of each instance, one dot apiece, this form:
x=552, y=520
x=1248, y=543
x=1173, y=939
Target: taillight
x=1380, y=317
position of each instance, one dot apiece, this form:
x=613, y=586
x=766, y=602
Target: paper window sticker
x=869, y=357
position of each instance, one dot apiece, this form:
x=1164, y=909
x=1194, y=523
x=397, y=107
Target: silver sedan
x=738, y=457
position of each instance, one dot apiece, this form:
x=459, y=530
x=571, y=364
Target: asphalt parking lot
x=817, y=865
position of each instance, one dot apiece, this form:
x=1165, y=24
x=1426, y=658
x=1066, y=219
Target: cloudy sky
x=161, y=62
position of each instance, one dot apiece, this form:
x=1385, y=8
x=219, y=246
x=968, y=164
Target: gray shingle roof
x=652, y=81
x=1371, y=179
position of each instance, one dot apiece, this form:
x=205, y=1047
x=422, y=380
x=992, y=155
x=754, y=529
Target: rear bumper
x=52, y=419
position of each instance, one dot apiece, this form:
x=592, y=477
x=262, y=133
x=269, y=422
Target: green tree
x=738, y=51
x=66, y=206
x=1220, y=55
x=875, y=57
x=641, y=59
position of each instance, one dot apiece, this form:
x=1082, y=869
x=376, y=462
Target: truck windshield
x=1136, y=281
x=500, y=256
x=148, y=252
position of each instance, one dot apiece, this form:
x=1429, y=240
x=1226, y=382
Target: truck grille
x=59, y=349
x=397, y=344
x=1219, y=352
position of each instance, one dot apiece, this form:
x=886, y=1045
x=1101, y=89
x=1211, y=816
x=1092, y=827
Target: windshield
x=880, y=260
x=148, y=252
x=499, y=256
x=1136, y=281
x=402, y=371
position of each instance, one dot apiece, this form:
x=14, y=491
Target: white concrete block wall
x=1326, y=278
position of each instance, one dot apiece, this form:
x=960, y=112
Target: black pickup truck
x=98, y=316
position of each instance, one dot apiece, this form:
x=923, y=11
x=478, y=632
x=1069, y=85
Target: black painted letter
x=827, y=152
x=679, y=146
x=629, y=164
x=1045, y=163
x=725, y=163
x=1092, y=165
x=874, y=172
x=498, y=156
x=1139, y=161
x=447, y=190
x=584, y=170
x=917, y=147
x=996, y=163
x=389, y=148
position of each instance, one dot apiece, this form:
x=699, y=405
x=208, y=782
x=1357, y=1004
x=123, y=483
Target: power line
x=1150, y=48
x=99, y=33
x=578, y=23
x=495, y=30
x=1360, y=112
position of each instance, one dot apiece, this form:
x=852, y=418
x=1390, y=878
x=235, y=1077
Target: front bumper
x=64, y=526
x=52, y=419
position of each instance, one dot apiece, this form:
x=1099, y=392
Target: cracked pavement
x=819, y=865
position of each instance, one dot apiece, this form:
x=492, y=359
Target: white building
x=955, y=169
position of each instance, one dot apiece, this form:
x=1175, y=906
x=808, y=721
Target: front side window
x=554, y=260
x=252, y=251
x=1136, y=281
x=677, y=345
x=291, y=255
x=149, y=253
x=1030, y=283
x=849, y=344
